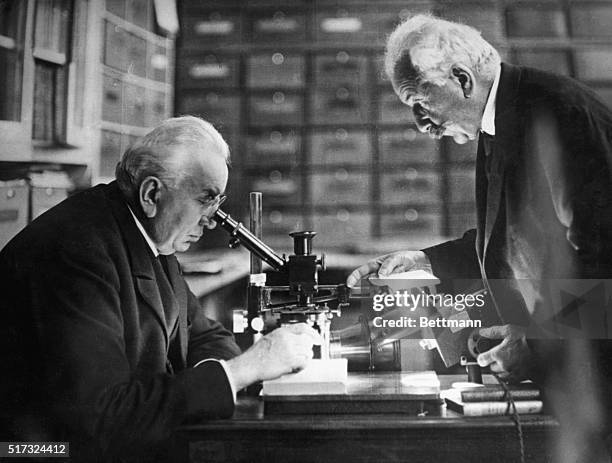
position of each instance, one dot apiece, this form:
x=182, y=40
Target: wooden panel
x=341, y=228
x=216, y=107
x=462, y=185
x=411, y=220
x=275, y=147
x=14, y=210
x=44, y=199
x=340, y=187
x=412, y=186
x=593, y=64
x=340, y=146
x=208, y=70
x=277, y=26
x=275, y=108
x=280, y=187
x=556, y=61
x=275, y=69
x=392, y=111
x=537, y=21
x=210, y=27
x=339, y=103
x=344, y=67
x=404, y=146
x=591, y=20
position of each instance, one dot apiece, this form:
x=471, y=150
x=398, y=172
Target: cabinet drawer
x=276, y=69
x=110, y=153
x=593, y=64
x=462, y=185
x=134, y=105
x=342, y=68
x=392, y=111
x=158, y=63
x=279, y=223
x=350, y=24
x=44, y=199
x=112, y=100
x=461, y=220
x=591, y=20
x=410, y=221
x=410, y=186
x=280, y=187
x=554, y=60
x=536, y=21
x=461, y=153
x=214, y=26
x=339, y=104
x=208, y=70
x=275, y=108
x=275, y=147
x=14, y=202
x=408, y=146
x=277, y=26
x=341, y=228
x=215, y=107
x=156, y=108
x=340, y=187
x=340, y=146
x=485, y=18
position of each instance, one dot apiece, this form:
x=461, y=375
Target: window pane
x=52, y=27
x=10, y=85
x=10, y=18
x=48, y=122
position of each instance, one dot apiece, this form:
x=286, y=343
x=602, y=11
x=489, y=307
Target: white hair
x=424, y=48
x=155, y=154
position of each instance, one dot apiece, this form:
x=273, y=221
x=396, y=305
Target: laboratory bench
x=252, y=436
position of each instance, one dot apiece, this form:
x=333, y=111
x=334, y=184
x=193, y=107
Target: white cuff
x=230, y=379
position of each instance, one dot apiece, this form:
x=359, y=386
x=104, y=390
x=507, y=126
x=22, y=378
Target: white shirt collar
x=145, y=234
x=488, y=116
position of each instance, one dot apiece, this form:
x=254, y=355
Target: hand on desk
x=284, y=350
x=400, y=261
x=511, y=359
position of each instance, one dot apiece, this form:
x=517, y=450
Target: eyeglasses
x=215, y=203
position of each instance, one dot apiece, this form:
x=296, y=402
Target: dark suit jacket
x=544, y=211
x=84, y=347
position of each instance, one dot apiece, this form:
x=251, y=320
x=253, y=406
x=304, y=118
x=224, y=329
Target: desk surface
x=251, y=436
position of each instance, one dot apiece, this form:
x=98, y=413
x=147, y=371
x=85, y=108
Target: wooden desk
x=249, y=436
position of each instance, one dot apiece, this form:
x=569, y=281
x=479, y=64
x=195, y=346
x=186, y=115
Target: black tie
x=488, y=142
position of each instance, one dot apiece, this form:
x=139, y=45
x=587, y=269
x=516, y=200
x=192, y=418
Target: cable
x=515, y=416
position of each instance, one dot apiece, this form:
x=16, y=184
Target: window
x=12, y=15
x=51, y=52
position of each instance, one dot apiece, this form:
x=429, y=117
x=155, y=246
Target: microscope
x=303, y=299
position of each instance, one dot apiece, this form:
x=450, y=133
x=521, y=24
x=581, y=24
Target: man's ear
x=149, y=194
x=464, y=78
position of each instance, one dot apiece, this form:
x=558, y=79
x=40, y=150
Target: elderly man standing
x=102, y=343
x=543, y=179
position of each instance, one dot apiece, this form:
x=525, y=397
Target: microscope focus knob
x=234, y=243
x=321, y=262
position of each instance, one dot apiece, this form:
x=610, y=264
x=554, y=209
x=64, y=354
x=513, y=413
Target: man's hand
x=400, y=261
x=512, y=358
x=284, y=350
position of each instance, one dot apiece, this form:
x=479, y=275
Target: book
x=320, y=377
x=490, y=408
x=494, y=392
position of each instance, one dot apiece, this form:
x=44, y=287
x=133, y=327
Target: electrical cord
x=515, y=416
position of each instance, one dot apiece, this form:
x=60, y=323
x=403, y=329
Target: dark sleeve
x=208, y=339
x=89, y=380
x=455, y=259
